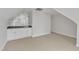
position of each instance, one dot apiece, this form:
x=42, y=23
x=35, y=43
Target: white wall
x=3, y=33
x=63, y=25
x=72, y=14
x=5, y=15
x=41, y=23
x=77, y=41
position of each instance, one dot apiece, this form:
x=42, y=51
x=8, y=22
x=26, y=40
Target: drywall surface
x=5, y=15
x=41, y=23
x=63, y=25
x=3, y=34
x=77, y=41
x=72, y=13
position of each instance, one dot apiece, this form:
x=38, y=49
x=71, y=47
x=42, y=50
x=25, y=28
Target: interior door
x=41, y=23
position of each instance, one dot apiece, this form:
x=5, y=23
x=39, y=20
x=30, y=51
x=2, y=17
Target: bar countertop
x=12, y=27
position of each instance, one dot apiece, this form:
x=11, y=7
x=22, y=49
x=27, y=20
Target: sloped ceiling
x=8, y=13
x=72, y=13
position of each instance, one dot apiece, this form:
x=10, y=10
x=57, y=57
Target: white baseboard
x=77, y=45
x=3, y=45
x=40, y=34
x=64, y=34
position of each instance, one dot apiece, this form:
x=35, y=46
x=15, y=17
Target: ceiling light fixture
x=39, y=9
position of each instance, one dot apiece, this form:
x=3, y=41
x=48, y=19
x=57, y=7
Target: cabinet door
x=24, y=32
x=11, y=34
x=41, y=24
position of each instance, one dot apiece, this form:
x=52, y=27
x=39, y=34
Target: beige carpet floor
x=52, y=42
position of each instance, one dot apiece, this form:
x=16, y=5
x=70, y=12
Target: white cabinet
x=18, y=33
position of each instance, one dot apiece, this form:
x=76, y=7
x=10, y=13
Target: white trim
x=19, y=38
x=77, y=45
x=64, y=34
x=3, y=45
x=40, y=35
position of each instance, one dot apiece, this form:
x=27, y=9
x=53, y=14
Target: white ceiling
x=50, y=11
